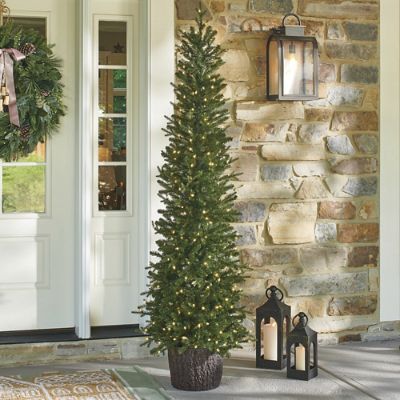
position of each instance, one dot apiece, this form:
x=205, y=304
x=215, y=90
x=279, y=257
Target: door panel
x=114, y=272
x=37, y=227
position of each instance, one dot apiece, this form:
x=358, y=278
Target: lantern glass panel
x=298, y=68
x=312, y=352
x=273, y=68
x=269, y=333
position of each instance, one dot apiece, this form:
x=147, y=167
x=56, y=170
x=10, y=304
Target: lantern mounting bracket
x=290, y=30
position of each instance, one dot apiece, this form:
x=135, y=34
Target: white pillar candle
x=271, y=341
x=300, y=358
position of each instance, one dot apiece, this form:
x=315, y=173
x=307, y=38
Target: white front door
x=37, y=214
x=114, y=269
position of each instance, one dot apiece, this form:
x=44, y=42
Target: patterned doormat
x=83, y=385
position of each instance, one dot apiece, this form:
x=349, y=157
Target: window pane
x=112, y=139
x=38, y=155
x=24, y=189
x=112, y=91
x=112, y=43
x=38, y=24
x=112, y=188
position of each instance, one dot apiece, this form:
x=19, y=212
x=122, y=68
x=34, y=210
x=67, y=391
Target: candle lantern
x=302, y=344
x=292, y=63
x=272, y=326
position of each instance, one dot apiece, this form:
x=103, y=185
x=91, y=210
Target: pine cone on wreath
x=27, y=49
x=39, y=102
x=25, y=132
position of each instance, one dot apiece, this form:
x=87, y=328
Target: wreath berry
x=38, y=92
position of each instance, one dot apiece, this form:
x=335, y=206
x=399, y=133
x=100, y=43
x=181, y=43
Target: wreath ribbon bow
x=7, y=58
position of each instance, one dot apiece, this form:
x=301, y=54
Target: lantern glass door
x=273, y=68
x=298, y=68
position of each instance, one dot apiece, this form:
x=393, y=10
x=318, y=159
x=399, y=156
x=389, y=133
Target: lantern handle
x=274, y=291
x=303, y=319
x=291, y=15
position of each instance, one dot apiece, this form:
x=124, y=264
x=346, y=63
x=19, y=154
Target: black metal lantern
x=292, y=63
x=272, y=326
x=302, y=342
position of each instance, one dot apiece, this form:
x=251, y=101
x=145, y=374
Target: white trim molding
x=84, y=171
x=390, y=166
x=144, y=219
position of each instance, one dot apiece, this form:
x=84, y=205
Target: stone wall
x=308, y=193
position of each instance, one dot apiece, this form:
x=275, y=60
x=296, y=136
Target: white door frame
x=389, y=161
x=156, y=72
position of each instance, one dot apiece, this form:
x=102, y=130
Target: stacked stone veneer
x=308, y=190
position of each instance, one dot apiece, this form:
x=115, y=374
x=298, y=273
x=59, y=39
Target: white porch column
x=390, y=165
x=162, y=69
x=84, y=170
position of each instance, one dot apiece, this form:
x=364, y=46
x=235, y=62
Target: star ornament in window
x=119, y=48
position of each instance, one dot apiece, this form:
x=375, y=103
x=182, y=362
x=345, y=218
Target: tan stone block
x=256, y=132
x=355, y=121
x=312, y=307
x=350, y=233
x=252, y=111
x=245, y=24
x=318, y=114
x=217, y=6
x=314, y=28
x=372, y=99
x=356, y=166
x=336, y=183
x=346, y=9
x=312, y=188
x=318, y=259
x=354, y=305
x=291, y=223
x=236, y=67
x=187, y=9
x=313, y=133
x=297, y=152
x=238, y=5
x=368, y=210
x=373, y=280
x=236, y=91
x=246, y=165
x=255, y=45
x=336, y=210
x=265, y=190
x=311, y=168
x=268, y=256
x=327, y=73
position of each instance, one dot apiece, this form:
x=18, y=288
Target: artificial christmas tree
x=193, y=295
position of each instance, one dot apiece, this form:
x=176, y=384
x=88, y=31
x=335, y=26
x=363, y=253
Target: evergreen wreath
x=39, y=93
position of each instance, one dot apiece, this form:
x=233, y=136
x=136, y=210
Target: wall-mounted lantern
x=272, y=328
x=292, y=63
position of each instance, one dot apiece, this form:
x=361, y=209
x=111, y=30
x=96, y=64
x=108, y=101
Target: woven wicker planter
x=195, y=369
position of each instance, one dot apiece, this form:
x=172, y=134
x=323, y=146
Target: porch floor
x=351, y=371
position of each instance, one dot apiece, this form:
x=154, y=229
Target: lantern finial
x=302, y=320
x=274, y=292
